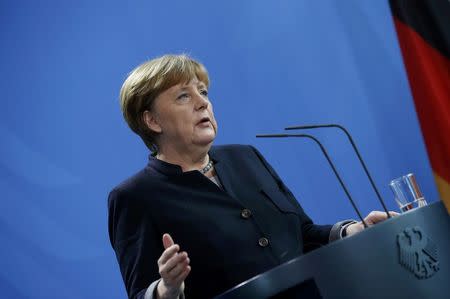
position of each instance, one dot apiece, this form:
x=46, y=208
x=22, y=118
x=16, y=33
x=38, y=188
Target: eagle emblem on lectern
x=417, y=252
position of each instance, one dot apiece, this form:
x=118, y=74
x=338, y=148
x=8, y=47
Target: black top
x=231, y=235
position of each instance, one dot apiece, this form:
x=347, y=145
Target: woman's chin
x=205, y=139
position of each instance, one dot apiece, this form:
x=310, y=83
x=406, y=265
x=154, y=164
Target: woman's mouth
x=204, y=121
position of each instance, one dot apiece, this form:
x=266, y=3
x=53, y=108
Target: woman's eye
x=204, y=92
x=183, y=96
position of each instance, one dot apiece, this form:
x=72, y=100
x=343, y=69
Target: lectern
x=403, y=257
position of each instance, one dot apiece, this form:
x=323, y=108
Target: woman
x=221, y=210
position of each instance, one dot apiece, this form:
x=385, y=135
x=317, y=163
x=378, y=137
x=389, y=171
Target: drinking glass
x=407, y=193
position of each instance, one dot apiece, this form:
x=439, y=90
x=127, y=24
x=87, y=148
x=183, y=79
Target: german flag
x=423, y=30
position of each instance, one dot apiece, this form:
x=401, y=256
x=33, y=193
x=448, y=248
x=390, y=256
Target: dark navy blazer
x=225, y=245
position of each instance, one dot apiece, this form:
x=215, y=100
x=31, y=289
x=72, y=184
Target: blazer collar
x=174, y=169
x=222, y=169
x=163, y=167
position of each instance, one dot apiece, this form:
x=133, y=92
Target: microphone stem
x=380, y=199
x=329, y=162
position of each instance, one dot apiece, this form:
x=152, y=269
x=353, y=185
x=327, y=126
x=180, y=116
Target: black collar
x=173, y=169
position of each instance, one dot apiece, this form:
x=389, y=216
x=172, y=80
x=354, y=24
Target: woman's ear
x=151, y=121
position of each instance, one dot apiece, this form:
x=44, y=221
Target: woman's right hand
x=173, y=268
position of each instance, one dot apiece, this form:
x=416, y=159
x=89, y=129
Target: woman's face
x=183, y=116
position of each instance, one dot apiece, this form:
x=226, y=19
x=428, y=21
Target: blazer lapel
x=225, y=175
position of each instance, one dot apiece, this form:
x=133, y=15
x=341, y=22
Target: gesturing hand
x=173, y=268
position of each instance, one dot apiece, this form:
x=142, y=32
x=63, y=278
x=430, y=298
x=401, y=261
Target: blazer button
x=246, y=213
x=263, y=242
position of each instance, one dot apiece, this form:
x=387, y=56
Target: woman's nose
x=201, y=101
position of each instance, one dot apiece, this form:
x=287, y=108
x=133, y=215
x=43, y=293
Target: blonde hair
x=147, y=81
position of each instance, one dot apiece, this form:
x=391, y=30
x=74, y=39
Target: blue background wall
x=272, y=64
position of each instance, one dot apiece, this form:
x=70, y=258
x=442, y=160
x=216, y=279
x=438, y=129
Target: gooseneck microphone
x=356, y=151
x=329, y=162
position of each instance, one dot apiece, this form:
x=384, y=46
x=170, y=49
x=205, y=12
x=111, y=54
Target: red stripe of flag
x=429, y=77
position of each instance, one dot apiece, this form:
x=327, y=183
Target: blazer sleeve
x=135, y=241
x=313, y=235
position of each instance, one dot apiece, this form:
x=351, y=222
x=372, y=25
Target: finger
x=178, y=268
x=182, y=276
x=167, y=241
x=172, y=277
x=175, y=260
x=168, y=253
x=378, y=216
x=173, y=263
x=375, y=217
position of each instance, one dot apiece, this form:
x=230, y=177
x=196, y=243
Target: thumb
x=167, y=241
